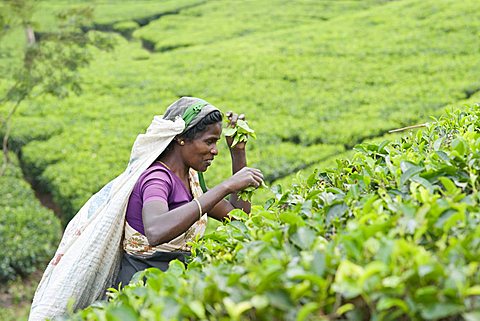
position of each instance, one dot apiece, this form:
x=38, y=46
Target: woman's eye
x=212, y=141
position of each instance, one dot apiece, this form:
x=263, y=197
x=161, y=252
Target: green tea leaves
x=391, y=234
x=409, y=170
x=247, y=193
x=240, y=133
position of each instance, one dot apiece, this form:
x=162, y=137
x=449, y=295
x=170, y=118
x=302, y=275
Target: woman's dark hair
x=212, y=118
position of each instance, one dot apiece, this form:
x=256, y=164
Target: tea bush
x=220, y=22
x=392, y=234
x=28, y=232
x=312, y=85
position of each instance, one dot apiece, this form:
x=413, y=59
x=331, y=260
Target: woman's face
x=199, y=152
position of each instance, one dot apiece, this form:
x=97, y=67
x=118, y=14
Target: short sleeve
x=156, y=186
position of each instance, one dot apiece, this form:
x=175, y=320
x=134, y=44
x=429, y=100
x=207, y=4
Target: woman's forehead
x=213, y=130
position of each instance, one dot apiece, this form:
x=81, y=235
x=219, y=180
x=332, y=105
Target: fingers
x=256, y=177
x=254, y=171
x=233, y=117
x=256, y=183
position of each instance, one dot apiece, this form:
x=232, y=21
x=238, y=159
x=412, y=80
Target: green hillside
x=311, y=84
x=314, y=78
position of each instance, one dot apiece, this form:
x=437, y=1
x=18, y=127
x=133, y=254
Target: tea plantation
x=390, y=234
x=311, y=87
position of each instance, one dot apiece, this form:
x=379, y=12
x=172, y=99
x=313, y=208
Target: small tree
x=49, y=66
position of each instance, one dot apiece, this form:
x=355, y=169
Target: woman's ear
x=180, y=140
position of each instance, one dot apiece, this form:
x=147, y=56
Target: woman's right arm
x=163, y=225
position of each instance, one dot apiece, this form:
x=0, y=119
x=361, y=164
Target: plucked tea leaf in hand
x=240, y=133
x=247, y=193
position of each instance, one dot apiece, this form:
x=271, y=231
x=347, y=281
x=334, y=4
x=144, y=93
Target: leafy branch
x=240, y=132
x=247, y=193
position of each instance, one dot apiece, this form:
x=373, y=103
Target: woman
x=155, y=206
x=167, y=208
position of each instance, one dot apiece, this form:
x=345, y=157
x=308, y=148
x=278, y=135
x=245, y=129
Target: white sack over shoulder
x=88, y=258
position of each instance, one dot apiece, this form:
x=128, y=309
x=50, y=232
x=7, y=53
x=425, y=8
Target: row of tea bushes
x=392, y=234
x=106, y=14
x=29, y=233
x=239, y=19
x=313, y=83
x=325, y=81
x=262, y=195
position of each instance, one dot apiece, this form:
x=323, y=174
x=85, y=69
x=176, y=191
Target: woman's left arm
x=239, y=161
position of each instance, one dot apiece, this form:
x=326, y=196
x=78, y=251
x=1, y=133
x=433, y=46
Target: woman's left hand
x=232, y=121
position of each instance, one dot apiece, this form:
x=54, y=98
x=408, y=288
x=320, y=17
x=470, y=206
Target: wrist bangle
x=200, y=212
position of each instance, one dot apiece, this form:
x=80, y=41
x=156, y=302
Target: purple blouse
x=156, y=183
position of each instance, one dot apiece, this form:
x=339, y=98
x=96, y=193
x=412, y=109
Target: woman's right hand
x=244, y=178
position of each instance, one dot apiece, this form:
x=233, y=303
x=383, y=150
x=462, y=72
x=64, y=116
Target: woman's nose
x=214, y=150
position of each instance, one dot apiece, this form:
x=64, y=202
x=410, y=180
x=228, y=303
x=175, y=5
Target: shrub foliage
x=29, y=232
x=392, y=234
x=313, y=78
